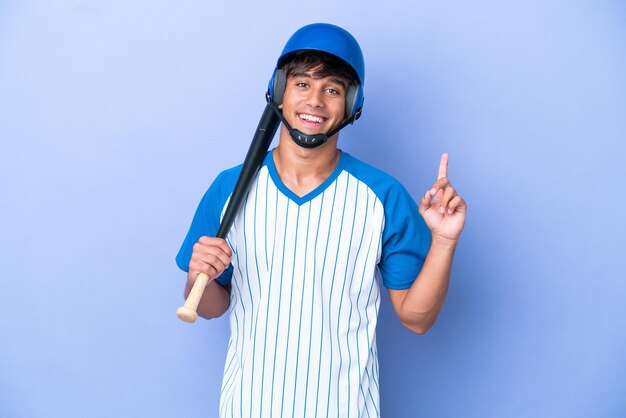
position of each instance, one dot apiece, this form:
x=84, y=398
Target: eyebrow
x=334, y=80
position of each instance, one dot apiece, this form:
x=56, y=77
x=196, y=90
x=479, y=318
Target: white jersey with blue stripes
x=305, y=294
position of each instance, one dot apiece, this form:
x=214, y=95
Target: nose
x=315, y=97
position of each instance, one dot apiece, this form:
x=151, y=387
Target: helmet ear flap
x=351, y=97
x=279, y=83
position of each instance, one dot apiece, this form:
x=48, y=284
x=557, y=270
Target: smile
x=311, y=118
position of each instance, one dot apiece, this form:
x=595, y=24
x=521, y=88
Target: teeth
x=311, y=118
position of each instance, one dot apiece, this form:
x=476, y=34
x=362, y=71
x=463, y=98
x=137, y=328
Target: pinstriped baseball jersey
x=305, y=294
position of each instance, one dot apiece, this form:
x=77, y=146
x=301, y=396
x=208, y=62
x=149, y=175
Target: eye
x=302, y=85
x=333, y=92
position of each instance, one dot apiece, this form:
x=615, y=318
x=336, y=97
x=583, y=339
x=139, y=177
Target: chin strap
x=306, y=140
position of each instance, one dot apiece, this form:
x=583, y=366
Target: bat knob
x=186, y=314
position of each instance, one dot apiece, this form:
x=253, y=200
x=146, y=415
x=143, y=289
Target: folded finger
x=456, y=203
x=438, y=185
x=220, y=253
x=216, y=242
x=448, y=194
x=425, y=202
x=198, y=266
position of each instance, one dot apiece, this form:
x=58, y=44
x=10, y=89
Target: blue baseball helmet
x=332, y=40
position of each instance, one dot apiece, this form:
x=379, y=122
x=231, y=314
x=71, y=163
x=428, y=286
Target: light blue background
x=115, y=116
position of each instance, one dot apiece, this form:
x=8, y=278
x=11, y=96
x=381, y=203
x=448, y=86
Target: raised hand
x=442, y=208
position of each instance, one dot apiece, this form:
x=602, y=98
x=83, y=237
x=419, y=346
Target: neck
x=303, y=169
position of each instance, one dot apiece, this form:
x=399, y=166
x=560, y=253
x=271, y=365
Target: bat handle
x=187, y=312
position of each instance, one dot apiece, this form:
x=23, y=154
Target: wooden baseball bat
x=256, y=153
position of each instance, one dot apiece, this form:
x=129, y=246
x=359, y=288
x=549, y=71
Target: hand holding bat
x=210, y=257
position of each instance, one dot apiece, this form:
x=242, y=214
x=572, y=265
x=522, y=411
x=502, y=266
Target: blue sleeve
x=405, y=242
x=206, y=222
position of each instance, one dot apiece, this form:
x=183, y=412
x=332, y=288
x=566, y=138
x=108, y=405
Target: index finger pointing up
x=443, y=166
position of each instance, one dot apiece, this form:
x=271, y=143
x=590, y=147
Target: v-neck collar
x=300, y=200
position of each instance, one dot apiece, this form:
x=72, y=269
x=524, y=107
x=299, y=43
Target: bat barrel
x=256, y=153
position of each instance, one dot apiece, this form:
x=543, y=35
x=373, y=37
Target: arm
x=418, y=307
x=444, y=213
x=210, y=256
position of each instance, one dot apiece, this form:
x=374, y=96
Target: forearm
x=214, y=302
x=425, y=298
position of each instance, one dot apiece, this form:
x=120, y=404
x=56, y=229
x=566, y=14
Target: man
x=299, y=268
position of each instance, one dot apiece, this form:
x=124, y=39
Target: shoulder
x=382, y=184
x=223, y=184
x=229, y=175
